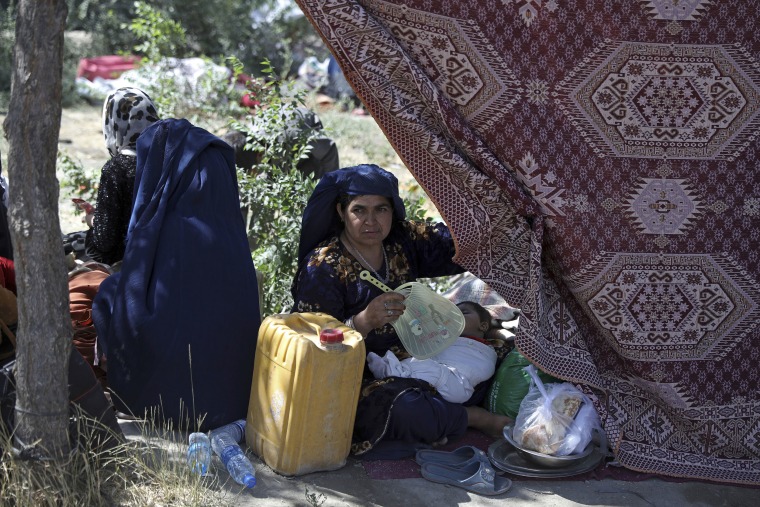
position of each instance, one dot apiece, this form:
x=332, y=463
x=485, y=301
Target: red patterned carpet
x=409, y=469
x=598, y=164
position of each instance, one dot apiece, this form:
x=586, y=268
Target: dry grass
x=361, y=141
x=147, y=470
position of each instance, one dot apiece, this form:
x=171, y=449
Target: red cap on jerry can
x=330, y=336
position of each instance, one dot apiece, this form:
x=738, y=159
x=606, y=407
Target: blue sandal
x=458, y=457
x=478, y=477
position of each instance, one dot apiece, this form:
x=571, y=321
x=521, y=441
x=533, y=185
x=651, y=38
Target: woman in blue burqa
x=355, y=221
x=179, y=322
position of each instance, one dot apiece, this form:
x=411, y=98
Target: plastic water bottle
x=224, y=442
x=199, y=453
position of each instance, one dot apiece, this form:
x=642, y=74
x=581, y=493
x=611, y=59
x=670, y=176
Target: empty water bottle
x=224, y=442
x=199, y=453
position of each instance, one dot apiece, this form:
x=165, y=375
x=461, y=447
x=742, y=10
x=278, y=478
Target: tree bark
x=32, y=127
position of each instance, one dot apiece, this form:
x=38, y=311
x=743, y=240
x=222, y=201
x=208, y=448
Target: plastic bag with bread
x=546, y=421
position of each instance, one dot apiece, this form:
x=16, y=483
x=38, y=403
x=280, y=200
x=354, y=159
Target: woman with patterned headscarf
x=127, y=112
x=355, y=221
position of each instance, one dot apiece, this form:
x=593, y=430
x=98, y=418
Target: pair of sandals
x=466, y=467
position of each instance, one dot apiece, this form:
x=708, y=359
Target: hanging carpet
x=598, y=165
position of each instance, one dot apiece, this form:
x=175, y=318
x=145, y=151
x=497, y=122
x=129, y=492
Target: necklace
x=366, y=264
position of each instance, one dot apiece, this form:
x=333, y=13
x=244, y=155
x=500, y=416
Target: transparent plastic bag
x=554, y=419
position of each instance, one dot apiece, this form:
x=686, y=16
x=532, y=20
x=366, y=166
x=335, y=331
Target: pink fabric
x=597, y=165
x=471, y=288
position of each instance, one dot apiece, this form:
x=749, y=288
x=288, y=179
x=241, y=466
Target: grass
x=359, y=140
x=146, y=470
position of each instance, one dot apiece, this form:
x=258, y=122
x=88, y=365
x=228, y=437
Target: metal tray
x=505, y=457
x=546, y=460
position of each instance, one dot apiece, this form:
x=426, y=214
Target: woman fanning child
x=456, y=370
x=355, y=221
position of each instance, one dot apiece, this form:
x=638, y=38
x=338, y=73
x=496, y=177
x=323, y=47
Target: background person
x=127, y=112
x=179, y=322
x=322, y=156
x=6, y=246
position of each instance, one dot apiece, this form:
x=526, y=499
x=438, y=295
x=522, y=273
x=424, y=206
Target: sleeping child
x=455, y=371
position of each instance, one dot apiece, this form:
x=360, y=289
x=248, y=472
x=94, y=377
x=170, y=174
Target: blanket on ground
x=597, y=163
x=180, y=320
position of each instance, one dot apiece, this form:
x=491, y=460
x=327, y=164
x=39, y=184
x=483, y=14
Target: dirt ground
x=81, y=137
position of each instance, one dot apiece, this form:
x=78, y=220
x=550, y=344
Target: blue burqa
x=179, y=322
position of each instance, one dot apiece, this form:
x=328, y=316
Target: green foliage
x=7, y=40
x=103, y=21
x=71, y=53
x=282, y=35
x=159, y=35
x=251, y=30
x=80, y=183
x=209, y=100
x=276, y=195
x=206, y=100
x=277, y=200
x=73, y=48
x=416, y=206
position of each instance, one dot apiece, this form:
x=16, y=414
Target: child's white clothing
x=454, y=372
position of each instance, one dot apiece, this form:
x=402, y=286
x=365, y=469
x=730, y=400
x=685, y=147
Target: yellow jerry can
x=304, y=392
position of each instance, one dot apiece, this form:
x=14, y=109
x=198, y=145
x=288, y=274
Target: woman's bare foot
x=483, y=420
x=440, y=442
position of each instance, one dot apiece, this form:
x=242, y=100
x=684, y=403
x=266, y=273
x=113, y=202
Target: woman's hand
x=88, y=209
x=384, y=309
x=83, y=205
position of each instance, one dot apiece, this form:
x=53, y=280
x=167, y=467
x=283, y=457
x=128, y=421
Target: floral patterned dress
x=329, y=282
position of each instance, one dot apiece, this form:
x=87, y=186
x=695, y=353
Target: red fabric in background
x=106, y=66
x=8, y=274
x=597, y=163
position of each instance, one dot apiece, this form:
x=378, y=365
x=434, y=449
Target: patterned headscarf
x=126, y=113
x=320, y=218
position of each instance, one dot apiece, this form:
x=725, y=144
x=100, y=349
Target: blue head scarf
x=320, y=218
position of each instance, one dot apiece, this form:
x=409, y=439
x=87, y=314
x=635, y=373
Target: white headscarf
x=126, y=113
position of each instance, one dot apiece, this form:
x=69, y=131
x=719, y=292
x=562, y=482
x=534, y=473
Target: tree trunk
x=32, y=127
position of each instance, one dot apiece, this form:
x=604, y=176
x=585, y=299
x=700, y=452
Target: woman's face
x=367, y=219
